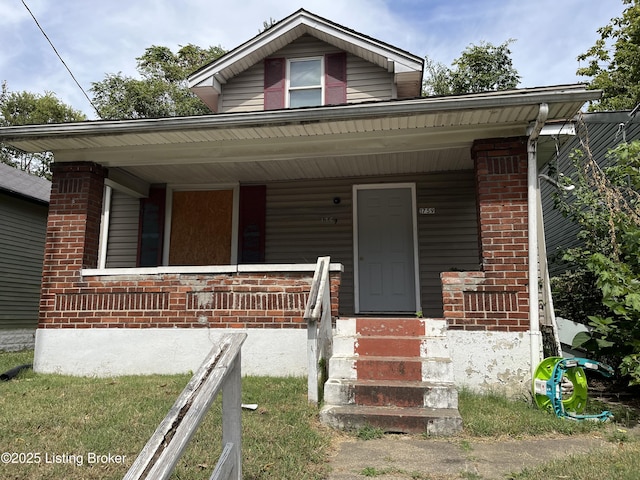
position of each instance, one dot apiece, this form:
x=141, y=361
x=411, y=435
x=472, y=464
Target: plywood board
x=201, y=228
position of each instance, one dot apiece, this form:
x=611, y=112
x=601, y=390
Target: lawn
x=73, y=425
x=93, y=428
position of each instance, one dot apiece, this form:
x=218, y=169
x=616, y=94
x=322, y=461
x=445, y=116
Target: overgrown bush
x=606, y=206
x=576, y=295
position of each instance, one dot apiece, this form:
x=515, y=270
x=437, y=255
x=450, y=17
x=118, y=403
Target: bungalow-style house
x=24, y=201
x=165, y=232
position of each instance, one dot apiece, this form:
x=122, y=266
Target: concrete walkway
x=402, y=457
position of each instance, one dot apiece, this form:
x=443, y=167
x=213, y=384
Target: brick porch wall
x=221, y=300
x=495, y=298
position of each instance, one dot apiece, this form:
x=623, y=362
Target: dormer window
x=305, y=82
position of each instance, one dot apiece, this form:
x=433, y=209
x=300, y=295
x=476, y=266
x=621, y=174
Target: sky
x=100, y=37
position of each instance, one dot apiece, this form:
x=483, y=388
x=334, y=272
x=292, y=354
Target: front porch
x=104, y=313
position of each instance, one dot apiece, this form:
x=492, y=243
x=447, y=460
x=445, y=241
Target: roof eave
x=560, y=94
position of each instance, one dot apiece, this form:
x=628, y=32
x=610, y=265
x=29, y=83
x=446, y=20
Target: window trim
x=288, y=88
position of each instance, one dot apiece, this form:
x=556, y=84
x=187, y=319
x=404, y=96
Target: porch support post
x=73, y=232
x=532, y=208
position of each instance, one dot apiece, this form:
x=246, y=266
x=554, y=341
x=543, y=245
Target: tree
x=480, y=68
x=161, y=92
x=607, y=207
x=266, y=25
x=25, y=108
x=613, y=63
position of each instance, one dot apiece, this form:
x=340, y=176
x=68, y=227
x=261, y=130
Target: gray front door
x=385, y=250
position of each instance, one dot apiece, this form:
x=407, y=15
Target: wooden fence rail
x=219, y=371
x=319, y=334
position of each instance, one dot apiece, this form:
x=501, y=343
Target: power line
x=60, y=57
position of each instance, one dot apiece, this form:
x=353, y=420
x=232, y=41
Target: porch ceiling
x=421, y=135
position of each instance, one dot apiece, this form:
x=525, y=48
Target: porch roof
x=378, y=138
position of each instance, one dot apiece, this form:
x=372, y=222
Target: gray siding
x=303, y=222
x=600, y=130
x=123, y=231
x=23, y=227
x=448, y=238
x=365, y=81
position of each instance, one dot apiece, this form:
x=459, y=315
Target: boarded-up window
x=201, y=228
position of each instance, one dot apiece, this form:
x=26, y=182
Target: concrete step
x=391, y=373
x=355, y=345
x=389, y=368
x=396, y=327
x=390, y=393
x=436, y=422
x=388, y=346
x=430, y=327
x=434, y=369
x=404, y=368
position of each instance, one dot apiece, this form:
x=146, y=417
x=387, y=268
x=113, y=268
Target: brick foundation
x=495, y=298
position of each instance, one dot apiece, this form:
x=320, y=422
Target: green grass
x=378, y=472
x=58, y=415
x=62, y=415
x=495, y=415
x=369, y=433
x=622, y=463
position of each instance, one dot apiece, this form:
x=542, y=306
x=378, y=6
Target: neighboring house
x=165, y=232
x=595, y=132
x=24, y=201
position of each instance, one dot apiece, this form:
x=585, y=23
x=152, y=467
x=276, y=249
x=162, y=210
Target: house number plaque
x=427, y=210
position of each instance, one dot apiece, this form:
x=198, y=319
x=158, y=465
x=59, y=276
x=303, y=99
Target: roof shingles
x=25, y=184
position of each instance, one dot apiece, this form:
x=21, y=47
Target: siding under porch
x=308, y=219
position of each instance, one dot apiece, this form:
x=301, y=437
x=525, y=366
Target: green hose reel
x=560, y=386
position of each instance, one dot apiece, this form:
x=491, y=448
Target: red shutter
x=335, y=81
x=253, y=212
x=274, y=73
x=151, y=228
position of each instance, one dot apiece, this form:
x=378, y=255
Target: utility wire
x=60, y=57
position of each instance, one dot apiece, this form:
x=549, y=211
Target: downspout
x=532, y=208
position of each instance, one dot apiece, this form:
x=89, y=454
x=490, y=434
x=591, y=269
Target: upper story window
x=305, y=82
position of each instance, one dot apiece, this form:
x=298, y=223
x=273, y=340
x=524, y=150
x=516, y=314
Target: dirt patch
x=401, y=457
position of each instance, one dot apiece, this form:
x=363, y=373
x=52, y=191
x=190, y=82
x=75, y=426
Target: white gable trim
x=284, y=32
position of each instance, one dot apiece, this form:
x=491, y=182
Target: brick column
x=496, y=298
x=73, y=229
